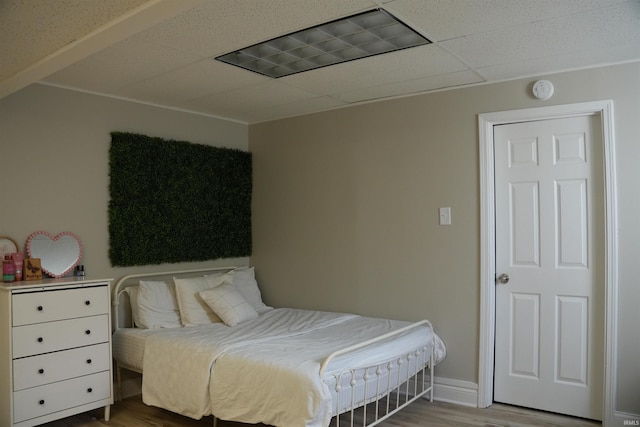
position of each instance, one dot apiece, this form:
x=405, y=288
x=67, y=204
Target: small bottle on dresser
x=8, y=270
x=18, y=259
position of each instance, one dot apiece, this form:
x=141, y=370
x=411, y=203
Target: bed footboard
x=366, y=396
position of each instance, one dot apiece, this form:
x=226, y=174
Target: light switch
x=445, y=216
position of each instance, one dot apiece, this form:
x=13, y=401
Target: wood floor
x=132, y=412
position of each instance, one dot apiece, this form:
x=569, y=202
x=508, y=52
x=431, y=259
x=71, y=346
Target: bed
x=206, y=344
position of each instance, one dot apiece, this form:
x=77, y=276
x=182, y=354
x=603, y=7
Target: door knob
x=503, y=278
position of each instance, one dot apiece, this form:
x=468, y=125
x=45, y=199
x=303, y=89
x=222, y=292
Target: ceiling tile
x=195, y=80
x=120, y=65
x=295, y=108
x=564, y=35
x=29, y=33
x=407, y=64
x=406, y=87
x=446, y=19
x=564, y=62
x=248, y=98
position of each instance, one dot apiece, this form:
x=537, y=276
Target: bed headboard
x=121, y=311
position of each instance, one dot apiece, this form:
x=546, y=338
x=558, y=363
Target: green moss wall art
x=174, y=201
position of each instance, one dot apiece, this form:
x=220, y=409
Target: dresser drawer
x=46, y=399
x=48, y=368
x=47, y=306
x=41, y=338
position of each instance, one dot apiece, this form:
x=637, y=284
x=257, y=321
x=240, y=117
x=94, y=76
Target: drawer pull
x=87, y=302
x=40, y=308
x=88, y=332
x=41, y=401
x=88, y=361
x=40, y=339
x=89, y=390
x=41, y=371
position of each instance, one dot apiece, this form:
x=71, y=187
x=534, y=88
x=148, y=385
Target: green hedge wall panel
x=174, y=201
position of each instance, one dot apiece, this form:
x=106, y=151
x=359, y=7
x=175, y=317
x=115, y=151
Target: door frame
x=486, y=122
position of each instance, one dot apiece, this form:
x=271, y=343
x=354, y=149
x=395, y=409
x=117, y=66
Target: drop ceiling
x=162, y=52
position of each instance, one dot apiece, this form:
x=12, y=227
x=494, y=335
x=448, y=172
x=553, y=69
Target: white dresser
x=55, y=349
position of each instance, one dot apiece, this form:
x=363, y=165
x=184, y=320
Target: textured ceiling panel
x=291, y=109
x=448, y=19
x=32, y=29
x=406, y=87
x=263, y=95
x=605, y=28
x=124, y=63
x=419, y=62
x=565, y=61
x=198, y=79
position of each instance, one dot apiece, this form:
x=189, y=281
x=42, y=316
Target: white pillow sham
x=245, y=282
x=193, y=309
x=157, y=305
x=132, y=291
x=228, y=304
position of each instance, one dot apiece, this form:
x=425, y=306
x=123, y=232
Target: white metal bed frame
x=395, y=386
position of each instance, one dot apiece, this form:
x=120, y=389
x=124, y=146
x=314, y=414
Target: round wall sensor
x=543, y=89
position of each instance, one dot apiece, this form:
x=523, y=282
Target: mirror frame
x=47, y=268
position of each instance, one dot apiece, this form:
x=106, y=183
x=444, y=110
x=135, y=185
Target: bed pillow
x=157, y=305
x=193, y=309
x=228, y=304
x=132, y=291
x=245, y=282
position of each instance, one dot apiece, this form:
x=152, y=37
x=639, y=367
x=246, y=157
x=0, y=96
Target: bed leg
x=431, y=369
x=215, y=421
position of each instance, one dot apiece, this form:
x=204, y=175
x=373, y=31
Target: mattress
x=248, y=355
x=128, y=346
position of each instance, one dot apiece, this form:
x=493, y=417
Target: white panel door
x=550, y=244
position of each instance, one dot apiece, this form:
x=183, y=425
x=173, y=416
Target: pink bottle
x=18, y=259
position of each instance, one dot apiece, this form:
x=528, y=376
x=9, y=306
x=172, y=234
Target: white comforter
x=263, y=370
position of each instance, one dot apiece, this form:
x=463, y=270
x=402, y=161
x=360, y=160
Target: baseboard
x=465, y=393
x=455, y=391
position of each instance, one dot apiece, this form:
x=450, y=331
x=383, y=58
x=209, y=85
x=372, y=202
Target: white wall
x=346, y=209
x=54, y=161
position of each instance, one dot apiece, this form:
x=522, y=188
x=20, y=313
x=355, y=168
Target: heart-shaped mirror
x=58, y=255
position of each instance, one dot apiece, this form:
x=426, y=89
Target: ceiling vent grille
x=358, y=36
